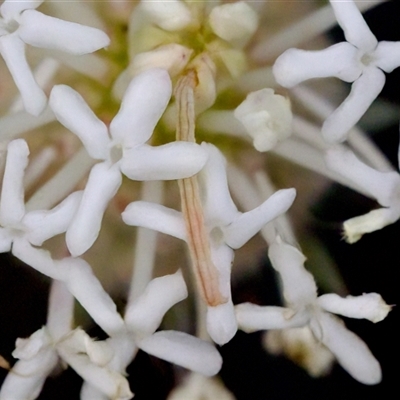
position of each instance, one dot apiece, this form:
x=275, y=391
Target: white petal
x=221, y=322
x=351, y=352
x=11, y=9
x=295, y=66
x=252, y=317
x=363, y=92
x=12, y=48
x=387, y=56
x=101, y=187
x=143, y=104
x=36, y=258
x=12, y=205
x=299, y=287
x=156, y=217
x=383, y=186
x=370, y=306
x=72, y=111
x=219, y=208
x=353, y=24
x=184, y=350
x=5, y=240
x=248, y=224
x=145, y=314
x=172, y=15
x=43, y=224
x=86, y=288
x=175, y=160
x=47, y=32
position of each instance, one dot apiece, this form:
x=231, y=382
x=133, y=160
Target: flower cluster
x=175, y=95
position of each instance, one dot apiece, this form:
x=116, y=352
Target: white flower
x=267, y=118
x=382, y=186
x=142, y=319
x=227, y=228
x=19, y=228
x=21, y=24
x=122, y=148
x=306, y=309
x=361, y=60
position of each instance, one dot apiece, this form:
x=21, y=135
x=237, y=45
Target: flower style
x=21, y=24
x=142, y=318
x=126, y=151
x=227, y=229
x=306, y=309
x=360, y=60
x=40, y=354
x=382, y=186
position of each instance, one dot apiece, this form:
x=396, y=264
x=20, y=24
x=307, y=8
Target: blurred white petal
x=176, y=160
x=370, y=306
x=101, y=187
x=44, y=224
x=43, y=31
x=221, y=322
x=351, y=352
x=12, y=48
x=143, y=104
x=184, y=350
x=12, y=204
x=72, y=111
x=387, y=56
x=145, y=314
x=295, y=66
x=353, y=24
x=382, y=186
x=241, y=230
x=363, y=92
x=11, y=9
x=156, y=217
x=6, y=240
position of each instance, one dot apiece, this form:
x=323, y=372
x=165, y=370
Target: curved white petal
x=11, y=9
x=295, y=66
x=221, y=322
x=156, y=217
x=184, y=350
x=299, y=287
x=44, y=224
x=387, y=56
x=86, y=288
x=363, y=92
x=6, y=240
x=12, y=48
x=370, y=306
x=47, y=32
x=353, y=24
x=252, y=317
x=101, y=187
x=72, y=111
x=143, y=104
x=383, y=186
x=218, y=206
x=176, y=160
x=351, y=352
x=248, y=224
x=12, y=205
x=145, y=314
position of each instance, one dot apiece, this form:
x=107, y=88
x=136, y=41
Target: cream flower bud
x=171, y=15
x=267, y=118
x=234, y=21
x=172, y=57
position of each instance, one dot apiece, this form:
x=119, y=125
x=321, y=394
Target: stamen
x=199, y=246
